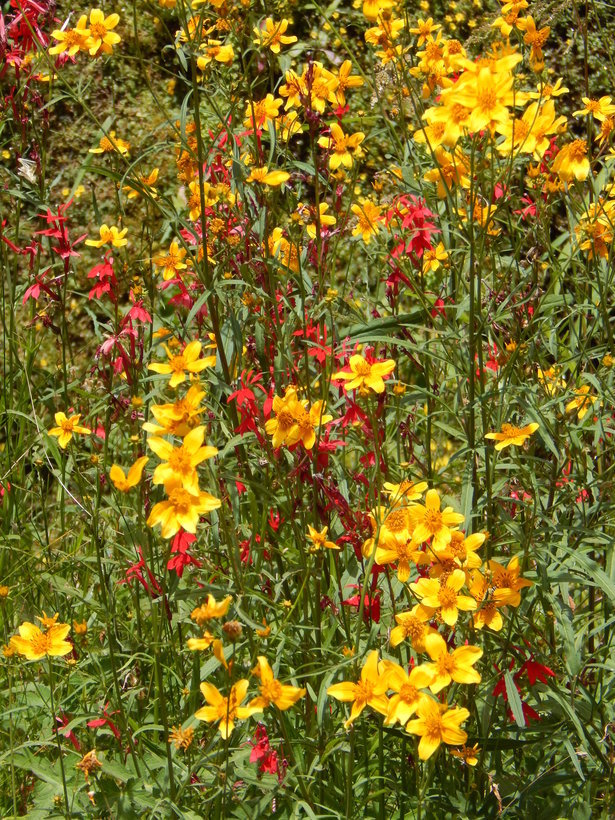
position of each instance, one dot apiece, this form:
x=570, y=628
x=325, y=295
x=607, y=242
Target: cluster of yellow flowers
x=295, y=420
x=96, y=36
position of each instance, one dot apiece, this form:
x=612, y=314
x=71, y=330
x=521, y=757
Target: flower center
x=180, y=462
x=578, y=150
x=363, y=368
x=271, y=691
x=433, y=520
x=181, y=500
x=447, y=597
x=178, y=364
x=365, y=690
x=408, y=693
x=98, y=31
x=67, y=426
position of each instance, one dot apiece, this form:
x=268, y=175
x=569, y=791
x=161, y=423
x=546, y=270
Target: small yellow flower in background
x=608, y=360
x=365, y=374
x=182, y=508
x=181, y=738
x=211, y=609
x=469, y=754
x=434, y=258
x=226, y=710
x=345, y=81
x=111, y=143
x=550, y=379
x=507, y=582
x=370, y=689
x=102, y=37
x=124, y=483
x=319, y=540
x=582, y=402
x=66, y=427
x=185, y=362
x=172, y=262
x=342, y=146
x=265, y=632
x=4, y=591
x=266, y=177
x=457, y=665
x=144, y=183
x=47, y=621
x=369, y=216
x=180, y=463
x=511, y=435
x=432, y=522
x=34, y=644
x=571, y=162
x=437, y=724
x=88, y=764
x=72, y=40
x=272, y=691
x=326, y=220
x=424, y=30
x=80, y=628
x=272, y=36
x=444, y=598
x=202, y=643
x=215, y=50
x=598, y=109
x=109, y=236
x=260, y=112
x=404, y=491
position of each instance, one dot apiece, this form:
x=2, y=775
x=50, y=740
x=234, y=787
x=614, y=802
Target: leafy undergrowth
x=306, y=456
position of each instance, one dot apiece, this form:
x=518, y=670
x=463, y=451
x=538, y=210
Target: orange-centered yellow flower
x=365, y=374
x=272, y=691
x=182, y=508
x=266, y=177
x=369, y=690
x=71, y=40
x=185, y=362
x=369, y=216
x=448, y=666
x=109, y=236
x=225, y=710
x=342, y=146
x=180, y=463
x=102, y=37
x=511, y=435
x=408, y=695
x=124, y=483
x=172, y=262
x=211, y=609
x=444, y=598
x=432, y=522
x=319, y=540
x=437, y=724
x=34, y=644
x=412, y=625
x=272, y=35
x=66, y=427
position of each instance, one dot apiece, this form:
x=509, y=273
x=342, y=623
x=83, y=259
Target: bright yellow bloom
x=109, y=236
x=66, y=428
x=266, y=177
x=319, y=540
x=457, y=665
x=225, y=710
x=211, y=609
x=272, y=35
x=487, y=96
x=452, y=170
x=293, y=422
x=582, y=402
x=369, y=216
x=202, y=643
x=34, y=644
x=529, y=134
x=404, y=491
x=172, y=262
x=144, y=183
x=364, y=374
x=437, y=724
x=398, y=549
x=571, y=162
x=110, y=144
x=462, y=550
x=215, y=50
x=326, y=220
x=345, y=81
x=72, y=40
x=598, y=109
x=434, y=258
x=488, y=614
x=444, y=598
x=551, y=380
x=368, y=691
x=178, y=418
x=102, y=38
x=431, y=522
x=260, y=112
x=511, y=435
x=508, y=582
x=373, y=8
x=412, y=625
x=182, y=508
x=424, y=29
x=272, y=691
x=124, y=483
x=180, y=463
x=185, y=362
x=469, y=754
x=342, y=146
x=407, y=697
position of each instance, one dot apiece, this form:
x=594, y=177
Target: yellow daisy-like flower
x=319, y=540
x=66, y=428
x=408, y=696
x=583, y=402
x=225, y=710
x=110, y=144
x=211, y=609
x=124, y=483
x=272, y=691
x=365, y=374
x=432, y=522
x=102, y=37
x=457, y=665
x=511, y=435
x=181, y=363
x=369, y=216
x=71, y=40
x=109, y=236
x=342, y=146
x=171, y=262
x=180, y=463
x=34, y=644
x=437, y=724
x=272, y=35
x=369, y=690
x=182, y=509
x=266, y=177
x=508, y=582
x=412, y=625
x=444, y=598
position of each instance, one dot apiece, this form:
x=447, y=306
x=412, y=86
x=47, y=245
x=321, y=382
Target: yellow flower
x=365, y=374
x=124, y=483
x=215, y=50
x=319, y=540
x=582, y=402
x=369, y=216
x=111, y=143
x=185, y=362
x=571, y=162
x=598, y=109
x=272, y=691
x=88, y=764
x=345, y=81
x=404, y=491
x=452, y=170
x=507, y=582
x=182, y=508
x=266, y=177
x=457, y=665
x=102, y=38
x=172, y=262
x=66, y=428
x=407, y=697
x=226, y=710
x=178, y=418
x=397, y=548
x=181, y=738
x=511, y=435
x=550, y=379
x=437, y=724
x=144, y=183
x=342, y=146
x=260, y=112
x=424, y=30
x=34, y=644
x=202, y=643
x=444, y=598
x=73, y=39
x=469, y=754
x=109, y=236
x=272, y=35
x=211, y=609
x=325, y=219
x=80, y=627
x=434, y=258
x=431, y=522
x=179, y=463
x=368, y=691
x=412, y=625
